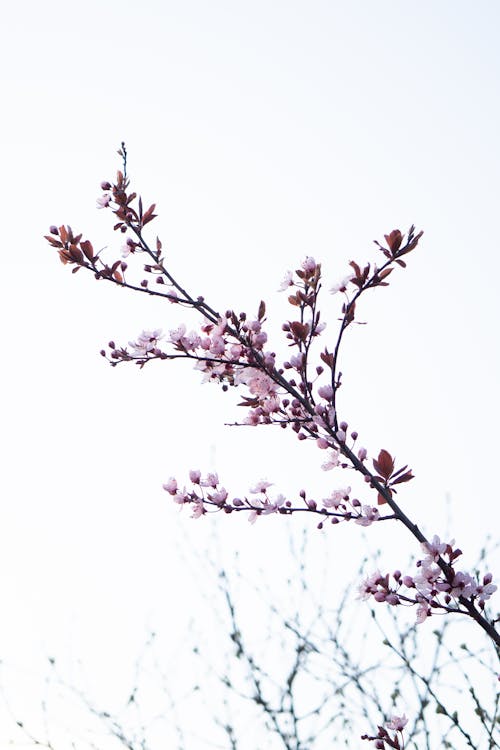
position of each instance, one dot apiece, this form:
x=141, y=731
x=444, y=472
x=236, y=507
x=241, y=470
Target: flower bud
x=393, y=599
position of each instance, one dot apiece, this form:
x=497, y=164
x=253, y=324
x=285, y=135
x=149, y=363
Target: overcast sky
x=264, y=131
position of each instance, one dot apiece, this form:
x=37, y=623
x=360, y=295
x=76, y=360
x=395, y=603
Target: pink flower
x=423, y=611
x=260, y=487
x=219, y=496
x=211, y=480
x=192, y=341
x=297, y=360
x=146, y=342
x=332, y=462
x=370, y=515
x=128, y=247
x=171, y=486
x=259, y=384
x=309, y=264
x=235, y=351
x=434, y=549
x=337, y=498
x=484, y=591
x=181, y=498
x=326, y=392
x=104, y=200
x=176, y=334
x=217, y=346
x=287, y=282
x=397, y=723
x=198, y=509
x=195, y=476
x=463, y=585
x=341, y=286
x=370, y=585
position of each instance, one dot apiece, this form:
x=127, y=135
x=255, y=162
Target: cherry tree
x=300, y=393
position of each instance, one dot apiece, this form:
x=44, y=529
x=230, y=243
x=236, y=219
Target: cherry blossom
x=299, y=392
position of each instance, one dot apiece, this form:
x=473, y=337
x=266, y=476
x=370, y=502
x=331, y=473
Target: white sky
x=264, y=131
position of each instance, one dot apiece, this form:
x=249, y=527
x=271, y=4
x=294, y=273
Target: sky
x=264, y=132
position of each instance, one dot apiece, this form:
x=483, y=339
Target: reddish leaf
x=75, y=254
x=385, y=273
x=53, y=241
x=349, y=312
x=356, y=268
x=394, y=240
x=87, y=249
x=384, y=464
x=149, y=215
x=328, y=358
x=262, y=310
x=404, y=478
x=299, y=330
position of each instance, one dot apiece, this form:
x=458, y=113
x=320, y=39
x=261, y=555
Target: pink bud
x=195, y=476
x=326, y=392
x=322, y=443
x=171, y=486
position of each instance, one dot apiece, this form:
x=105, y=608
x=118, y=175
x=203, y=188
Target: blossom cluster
x=383, y=739
x=208, y=495
x=437, y=585
x=299, y=393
